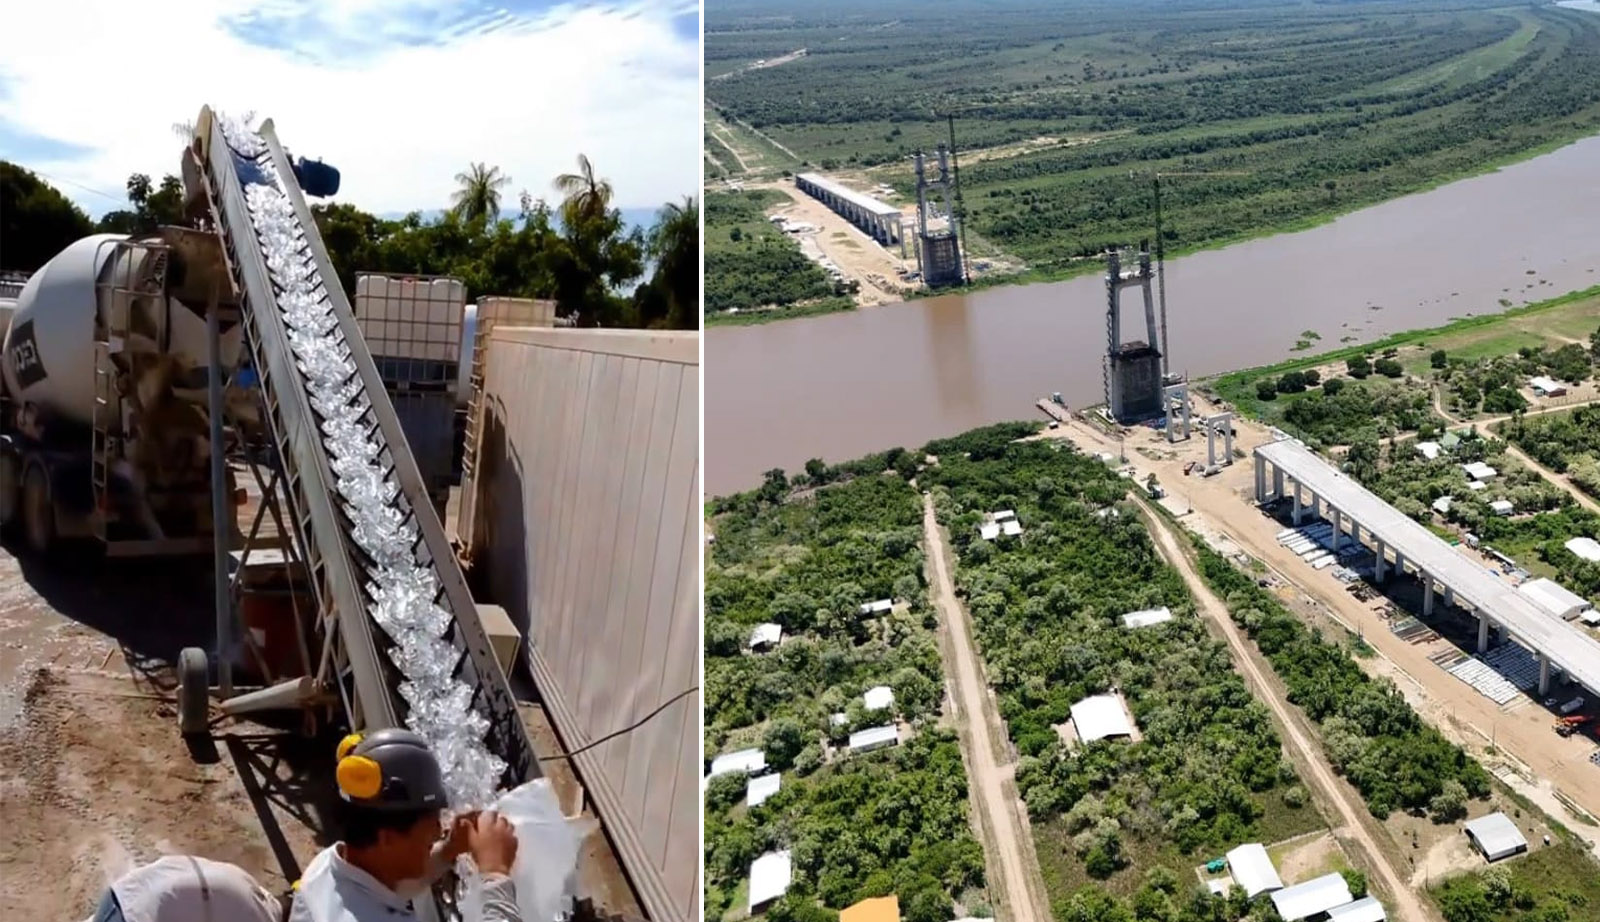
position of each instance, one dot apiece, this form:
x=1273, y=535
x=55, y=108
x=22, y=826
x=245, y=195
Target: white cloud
x=357, y=87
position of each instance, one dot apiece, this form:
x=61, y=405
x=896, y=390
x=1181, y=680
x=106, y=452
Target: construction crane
x=1161, y=249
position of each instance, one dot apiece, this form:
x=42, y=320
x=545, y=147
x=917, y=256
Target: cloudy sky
x=400, y=95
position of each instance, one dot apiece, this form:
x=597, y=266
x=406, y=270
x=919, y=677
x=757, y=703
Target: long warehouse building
x=1352, y=509
x=878, y=220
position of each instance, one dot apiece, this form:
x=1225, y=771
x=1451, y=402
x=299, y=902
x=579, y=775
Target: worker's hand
x=460, y=836
x=493, y=843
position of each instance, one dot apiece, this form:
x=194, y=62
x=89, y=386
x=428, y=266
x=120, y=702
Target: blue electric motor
x=316, y=178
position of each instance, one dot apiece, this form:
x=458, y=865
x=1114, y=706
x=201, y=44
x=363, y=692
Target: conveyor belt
x=355, y=647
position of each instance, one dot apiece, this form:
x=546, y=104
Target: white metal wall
x=589, y=507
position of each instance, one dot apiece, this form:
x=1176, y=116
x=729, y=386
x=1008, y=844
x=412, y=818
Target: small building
x=749, y=761
x=1312, y=897
x=838, y=719
x=1366, y=909
x=1502, y=507
x=1251, y=869
x=1496, y=836
x=877, y=608
x=1147, y=617
x=1477, y=470
x=1477, y=486
x=1442, y=505
x=1011, y=527
x=877, y=909
x=1547, y=387
x=1586, y=548
x=1004, y=515
x=1219, y=886
x=1100, y=716
x=1449, y=441
x=874, y=738
x=769, y=879
x=766, y=636
x=1429, y=450
x=879, y=697
x=759, y=789
x=1555, y=598
x=988, y=531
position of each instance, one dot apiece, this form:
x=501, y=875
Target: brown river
x=841, y=386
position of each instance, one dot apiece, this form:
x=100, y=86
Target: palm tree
x=479, y=195
x=675, y=246
x=586, y=197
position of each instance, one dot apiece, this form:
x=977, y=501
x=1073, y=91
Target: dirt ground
x=95, y=778
x=1223, y=504
x=1308, y=857
x=876, y=267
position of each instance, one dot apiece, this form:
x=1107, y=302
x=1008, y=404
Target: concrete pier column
x=1399, y=563
x=1483, y=631
x=1427, y=594
x=1316, y=506
x=1277, y=482
x=1377, y=567
x=1298, y=510
x=1449, y=596
x=1338, y=523
x=1261, y=479
x=1544, y=674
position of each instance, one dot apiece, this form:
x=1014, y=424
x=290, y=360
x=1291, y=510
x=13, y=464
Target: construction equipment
x=130, y=340
x=1566, y=726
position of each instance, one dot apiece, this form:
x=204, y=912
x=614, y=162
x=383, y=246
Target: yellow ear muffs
x=350, y=742
x=359, y=777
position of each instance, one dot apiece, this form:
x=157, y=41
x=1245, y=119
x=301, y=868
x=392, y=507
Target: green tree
x=672, y=296
x=1332, y=387
x=1292, y=382
x=1358, y=367
x=1266, y=389
x=478, y=195
x=585, y=196
x=1356, y=881
x=1387, y=367
x=1438, y=359
x=1311, y=376
x=783, y=742
x=36, y=220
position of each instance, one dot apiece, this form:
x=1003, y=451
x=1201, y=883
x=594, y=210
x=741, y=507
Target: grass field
x=754, y=272
x=1297, y=113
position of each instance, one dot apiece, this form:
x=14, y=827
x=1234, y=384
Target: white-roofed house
x=838, y=719
x=1547, y=387
x=1442, y=505
x=1147, y=617
x=1496, y=836
x=759, y=789
x=874, y=738
x=1366, y=909
x=769, y=879
x=879, y=697
x=1312, y=897
x=1502, y=507
x=1011, y=527
x=1251, y=869
x=878, y=607
x=1477, y=470
x=1477, y=485
x=766, y=636
x=749, y=761
x=1555, y=598
x=988, y=531
x=1429, y=450
x=1100, y=716
x=1586, y=548
x=1004, y=514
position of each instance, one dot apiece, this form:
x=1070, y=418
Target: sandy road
x=1008, y=847
x=1404, y=902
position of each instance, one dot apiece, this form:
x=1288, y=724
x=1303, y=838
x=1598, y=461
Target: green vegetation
x=807, y=554
x=1555, y=884
x=1411, y=483
x=1567, y=443
x=1369, y=732
x=752, y=265
x=581, y=261
x=1208, y=771
x=1063, y=113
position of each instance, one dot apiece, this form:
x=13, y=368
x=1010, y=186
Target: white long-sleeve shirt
x=183, y=888
x=334, y=890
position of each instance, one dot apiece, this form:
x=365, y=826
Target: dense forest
x=807, y=554
x=579, y=252
x=1371, y=735
x=1047, y=608
x=1567, y=443
x=750, y=264
x=1290, y=112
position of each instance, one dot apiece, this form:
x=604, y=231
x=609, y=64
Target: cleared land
x=1322, y=109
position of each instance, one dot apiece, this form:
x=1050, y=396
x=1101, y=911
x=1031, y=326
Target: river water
x=844, y=385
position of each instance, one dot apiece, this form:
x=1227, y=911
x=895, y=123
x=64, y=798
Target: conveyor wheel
x=194, y=692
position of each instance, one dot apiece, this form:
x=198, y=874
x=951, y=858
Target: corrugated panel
x=588, y=501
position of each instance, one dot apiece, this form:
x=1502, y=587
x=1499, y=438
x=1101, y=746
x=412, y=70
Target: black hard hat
x=390, y=769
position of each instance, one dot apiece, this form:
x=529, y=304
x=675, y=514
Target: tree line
x=579, y=252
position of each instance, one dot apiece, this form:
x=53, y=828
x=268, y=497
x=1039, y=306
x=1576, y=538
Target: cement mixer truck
x=105, y=433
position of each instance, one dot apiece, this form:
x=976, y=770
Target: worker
x=395, y=844
x=184, y=888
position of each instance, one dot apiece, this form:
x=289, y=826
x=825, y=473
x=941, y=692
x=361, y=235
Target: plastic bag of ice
x=547, y=854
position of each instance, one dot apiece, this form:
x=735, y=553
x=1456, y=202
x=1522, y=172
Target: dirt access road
x=1007, y=842
x=1405, y=904
x=877, y=268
